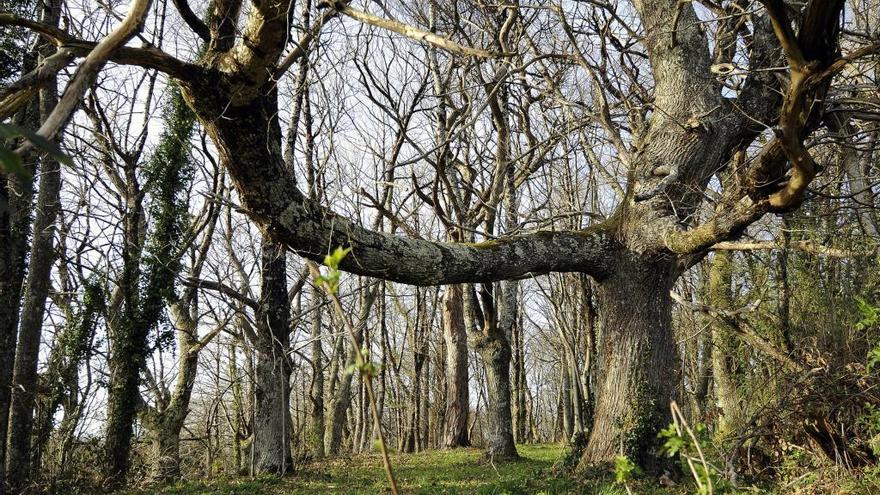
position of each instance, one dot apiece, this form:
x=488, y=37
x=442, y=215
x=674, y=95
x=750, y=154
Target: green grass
x=467, y=471
x=462, y=471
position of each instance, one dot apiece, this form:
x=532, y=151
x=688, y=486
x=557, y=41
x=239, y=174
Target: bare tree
x=688, y=120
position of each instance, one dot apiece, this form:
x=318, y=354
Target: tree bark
x=272, y=412
x=25, y=383
x=726, y=347
x=496, y=357
x=42, y=256
x=16, y=197
x=520, y=386
x=316, y=390
x=638, y=363
x=455, y=428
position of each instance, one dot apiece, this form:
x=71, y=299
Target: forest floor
x=464, y=471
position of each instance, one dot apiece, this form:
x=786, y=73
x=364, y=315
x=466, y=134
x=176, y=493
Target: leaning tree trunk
x=638, y=363
x=272, y=410
x=455, y=428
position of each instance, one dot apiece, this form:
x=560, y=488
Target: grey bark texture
x=272, y=423
x=42, y=256
x=455, y=427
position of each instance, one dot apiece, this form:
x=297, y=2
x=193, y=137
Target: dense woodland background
x=158, y=325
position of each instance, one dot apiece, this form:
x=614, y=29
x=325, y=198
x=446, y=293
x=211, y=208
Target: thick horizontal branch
x=269, y=196
x=312, y=230
x=804, y=246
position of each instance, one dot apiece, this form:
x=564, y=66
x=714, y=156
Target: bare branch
x=804, y=246
x=88, y=71
x=417, y=34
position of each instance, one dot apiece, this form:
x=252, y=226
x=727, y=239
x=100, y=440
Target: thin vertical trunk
x=725, y=346
x=16, y=197
x=383, y=335
x=411, y=439
x=342, y=396
x=316, y=390
x=42, y=256
x=565, y=403
x=128, y=335
x=637, y=357
x=238, y=412
x=520, y=386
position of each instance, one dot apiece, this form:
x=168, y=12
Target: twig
x=360, y=362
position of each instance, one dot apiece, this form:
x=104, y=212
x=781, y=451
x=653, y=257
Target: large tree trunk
x=491, y=341
x=24, y=380
x=165, y=445
x=125, y=364
x=638, y=363
x=272, y=412
x=496, y=358
x=455, y=428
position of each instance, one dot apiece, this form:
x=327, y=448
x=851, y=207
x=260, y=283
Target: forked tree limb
x=807, y=53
